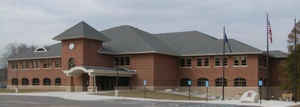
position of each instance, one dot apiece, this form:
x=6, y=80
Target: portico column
x=92, y=84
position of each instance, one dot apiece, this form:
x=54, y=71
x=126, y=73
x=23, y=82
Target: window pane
x=202, y=82
x=236, y=61
x=127, y=61
x=188, y=62
x=121, y=60
x=217, y=61
x=244, y=60
x=182, y=62
x=116, y=60
x=199, y=61
x=225, y=61
x=57, y=81
x=206, y=62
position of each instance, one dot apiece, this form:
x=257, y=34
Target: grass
x=152, y=95
x=5, y=90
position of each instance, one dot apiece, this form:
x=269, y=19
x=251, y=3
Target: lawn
x=152, y=95
x=4, y=90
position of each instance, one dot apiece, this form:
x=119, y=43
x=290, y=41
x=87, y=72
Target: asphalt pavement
x=38, y=101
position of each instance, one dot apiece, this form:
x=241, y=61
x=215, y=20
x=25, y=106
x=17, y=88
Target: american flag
x=269, y=29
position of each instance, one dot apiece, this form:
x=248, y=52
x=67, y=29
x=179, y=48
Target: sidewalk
x=84, y=96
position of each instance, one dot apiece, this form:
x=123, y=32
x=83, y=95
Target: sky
x=36, y=22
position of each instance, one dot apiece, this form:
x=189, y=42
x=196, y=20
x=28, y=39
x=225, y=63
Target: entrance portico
x=92, y=78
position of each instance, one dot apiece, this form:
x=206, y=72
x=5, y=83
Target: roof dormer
x=41, y=49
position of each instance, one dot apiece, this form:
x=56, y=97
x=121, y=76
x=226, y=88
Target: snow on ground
x=83, y=96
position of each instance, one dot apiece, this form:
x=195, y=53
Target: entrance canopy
x=100, y=71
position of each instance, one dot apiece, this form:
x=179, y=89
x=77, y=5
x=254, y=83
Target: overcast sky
x=38, y=21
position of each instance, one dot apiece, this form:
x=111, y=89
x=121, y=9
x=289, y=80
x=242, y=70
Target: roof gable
x=81, y=30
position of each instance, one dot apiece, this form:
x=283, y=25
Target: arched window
x=57, y=81
x=71, y=63
x=240, y=82
x=35, y=81
x=47, y=81
x=184, y=82
x=14, y=81
x=202, y=82
x=25, y=81
x=219, y=82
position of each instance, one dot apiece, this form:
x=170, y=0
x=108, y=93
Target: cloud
x=36, y=21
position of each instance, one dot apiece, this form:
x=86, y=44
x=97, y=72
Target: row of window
x=204, y=61
x=36, y=64
x=238, y=82
x=122, y=60
x=36, y=81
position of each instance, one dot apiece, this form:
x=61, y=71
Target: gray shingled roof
x=130, y=40
x=278, y=54
x=52, y=51
x=195, y=43
x=81, y=30
x=127, y=39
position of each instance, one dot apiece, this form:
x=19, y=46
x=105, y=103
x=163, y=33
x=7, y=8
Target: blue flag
x=225, y=39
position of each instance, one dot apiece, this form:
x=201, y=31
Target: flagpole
x=223, y=68
x=296, y=73
x=267, y=59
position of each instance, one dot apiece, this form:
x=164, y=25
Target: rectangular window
x=22, y=64
x=217, y=61
x=206, y=61
x=182, y=62
x=26, y=64
x=127, y=61
x=36, y=64
x=116, y=60
x=45, y=64
x=199, y=62
x=203, y=61
x=244, y=60
x=58, y=63
x=188, y=61
x=225, y=61
x=14, y=65
x=236, y=61
x=122, y=60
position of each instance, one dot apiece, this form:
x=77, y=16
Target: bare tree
x=291, y=36
x=13, y=49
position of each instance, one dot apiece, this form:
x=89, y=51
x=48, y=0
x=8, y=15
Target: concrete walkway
x=83, y=96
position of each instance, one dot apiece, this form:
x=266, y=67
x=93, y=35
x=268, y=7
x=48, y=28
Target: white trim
x=207, y=54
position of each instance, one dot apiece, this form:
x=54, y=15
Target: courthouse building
x=86, y=59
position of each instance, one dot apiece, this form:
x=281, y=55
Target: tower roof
x=81, y=30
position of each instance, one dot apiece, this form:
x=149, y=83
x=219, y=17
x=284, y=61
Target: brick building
x=88, y=60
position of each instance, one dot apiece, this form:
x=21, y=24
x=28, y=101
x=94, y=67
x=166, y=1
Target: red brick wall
x=250, y=72
x=144, y=66
x=52, y=73
x=92, y=56
x=165, y=71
